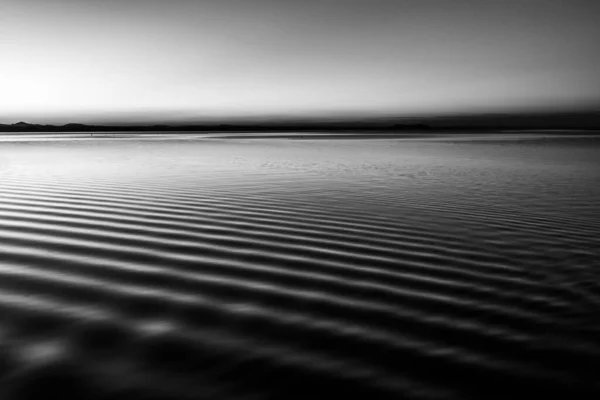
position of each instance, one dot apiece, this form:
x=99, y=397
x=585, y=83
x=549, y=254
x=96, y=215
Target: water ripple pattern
x=226, y=268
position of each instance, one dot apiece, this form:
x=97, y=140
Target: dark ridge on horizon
x=575, y=122
x=582, y=120
x=72, y=127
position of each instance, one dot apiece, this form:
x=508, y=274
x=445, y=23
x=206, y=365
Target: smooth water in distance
x=186, y=267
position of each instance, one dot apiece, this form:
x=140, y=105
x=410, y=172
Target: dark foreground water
x=190, y=268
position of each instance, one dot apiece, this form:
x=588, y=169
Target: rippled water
x=189, y=268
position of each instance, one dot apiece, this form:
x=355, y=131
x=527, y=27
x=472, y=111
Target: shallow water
x=190, y=267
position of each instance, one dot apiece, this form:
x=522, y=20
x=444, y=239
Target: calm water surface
x=183, y=267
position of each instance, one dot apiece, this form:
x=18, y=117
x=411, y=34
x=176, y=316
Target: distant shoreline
x=82, y=128
x=23, y=127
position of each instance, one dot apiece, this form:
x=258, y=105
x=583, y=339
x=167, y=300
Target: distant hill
x=72, y=127
x=577, y=120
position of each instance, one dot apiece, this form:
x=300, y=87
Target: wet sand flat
x=199, y=268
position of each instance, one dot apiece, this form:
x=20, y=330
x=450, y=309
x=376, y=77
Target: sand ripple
x=191, y=270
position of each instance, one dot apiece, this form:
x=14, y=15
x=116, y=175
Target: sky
x=182, y=61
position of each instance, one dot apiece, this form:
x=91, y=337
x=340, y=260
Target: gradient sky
x=114, y=61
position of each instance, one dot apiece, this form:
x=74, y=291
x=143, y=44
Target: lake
x=256, y=267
